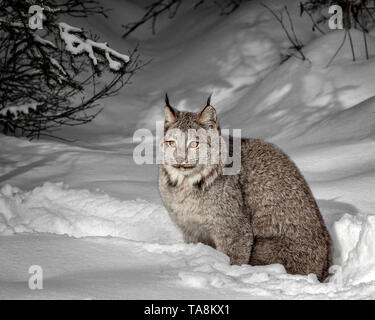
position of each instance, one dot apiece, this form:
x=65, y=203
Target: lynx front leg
x=237, y=244
x=189, y=238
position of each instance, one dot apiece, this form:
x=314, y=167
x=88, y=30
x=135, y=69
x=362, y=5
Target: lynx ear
x=170, y=113
x=207, y=117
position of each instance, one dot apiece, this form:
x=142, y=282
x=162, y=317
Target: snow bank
x=202, y=267
x=291, y=104
x=355, y=241
x=53, y=208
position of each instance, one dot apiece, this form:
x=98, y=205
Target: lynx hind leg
x=296, y=257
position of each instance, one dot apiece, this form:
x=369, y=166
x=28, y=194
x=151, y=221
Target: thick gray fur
x=265, y=214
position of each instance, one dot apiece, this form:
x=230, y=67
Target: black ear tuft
x=170, y=113
x=167, y=100
x=209, y=100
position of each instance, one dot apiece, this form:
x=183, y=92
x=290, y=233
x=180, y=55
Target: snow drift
x=56, y=209
x=53, y=208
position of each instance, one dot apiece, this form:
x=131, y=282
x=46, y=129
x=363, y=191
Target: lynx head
x=191, y=145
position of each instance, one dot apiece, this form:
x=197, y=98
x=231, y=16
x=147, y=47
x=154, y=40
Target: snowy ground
x=93, y=219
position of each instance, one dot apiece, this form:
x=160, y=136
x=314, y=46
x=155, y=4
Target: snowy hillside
x=93, y=219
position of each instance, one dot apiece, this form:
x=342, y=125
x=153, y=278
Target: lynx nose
x=180, y=160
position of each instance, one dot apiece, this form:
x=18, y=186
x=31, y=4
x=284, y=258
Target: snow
x=53, y=208
x=93, y=219
x=15, y=111
x=356, y=238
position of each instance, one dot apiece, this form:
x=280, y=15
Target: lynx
x=265, y=214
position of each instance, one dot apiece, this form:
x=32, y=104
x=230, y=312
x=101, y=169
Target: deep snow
x=93, y=219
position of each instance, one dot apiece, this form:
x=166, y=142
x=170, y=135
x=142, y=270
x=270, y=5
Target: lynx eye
x=171, y=143
x=194, y=144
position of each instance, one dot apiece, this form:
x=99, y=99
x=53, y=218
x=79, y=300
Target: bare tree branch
x=157, y=8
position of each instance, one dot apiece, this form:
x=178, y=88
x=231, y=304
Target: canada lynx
x=264, y=214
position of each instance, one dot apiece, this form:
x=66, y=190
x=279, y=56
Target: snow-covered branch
x=15, y=111
x=77, y=45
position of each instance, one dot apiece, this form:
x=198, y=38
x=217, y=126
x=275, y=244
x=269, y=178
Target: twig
x=351, y=44
x=296, y=44
x=315, y=25
x=364, y=31
x=338, y=50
